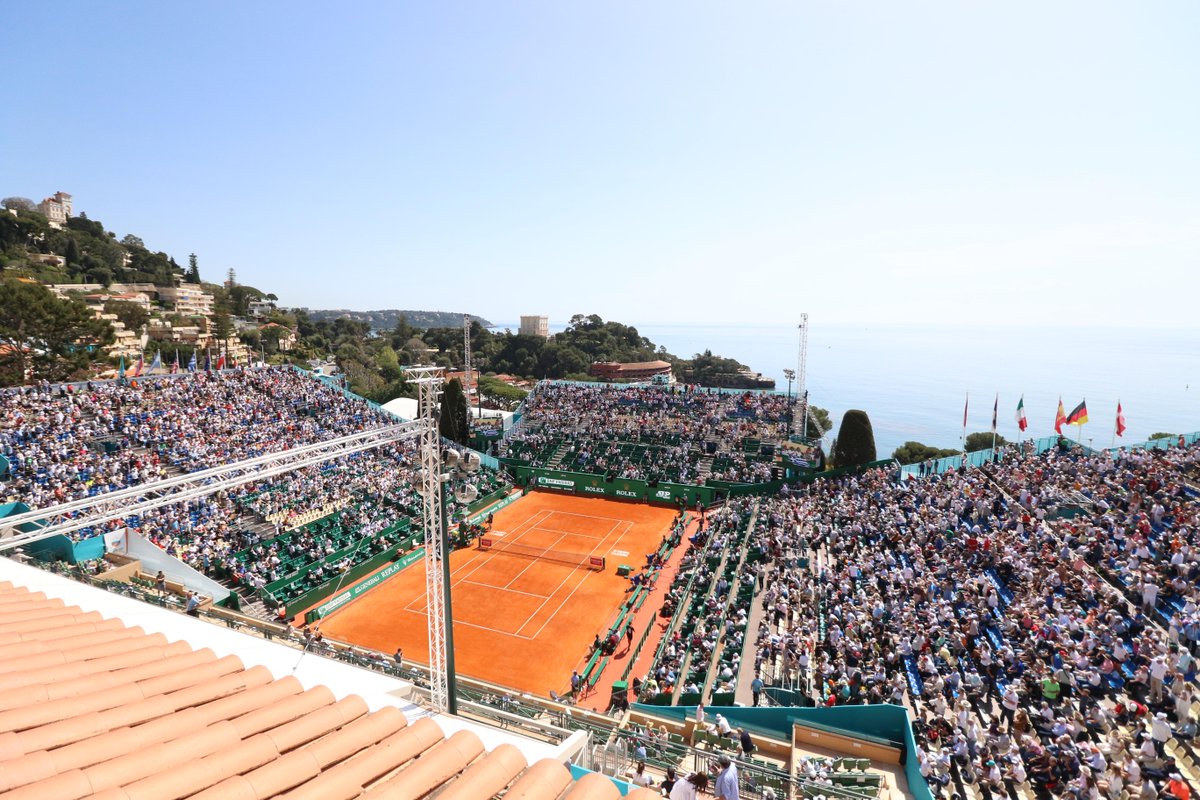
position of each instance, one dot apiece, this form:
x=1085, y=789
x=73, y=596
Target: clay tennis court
x=519, y=621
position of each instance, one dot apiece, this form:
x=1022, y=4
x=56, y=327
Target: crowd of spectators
x=1039, y=615
x=650, y=432
x=69, y=442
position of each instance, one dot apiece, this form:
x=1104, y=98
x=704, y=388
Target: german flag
x=1078, y=416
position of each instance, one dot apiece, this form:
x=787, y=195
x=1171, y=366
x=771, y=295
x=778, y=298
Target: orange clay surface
x=519, y=622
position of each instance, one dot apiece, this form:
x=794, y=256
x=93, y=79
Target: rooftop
x=141, y=702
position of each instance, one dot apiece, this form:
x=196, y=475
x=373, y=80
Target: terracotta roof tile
x=91, y=708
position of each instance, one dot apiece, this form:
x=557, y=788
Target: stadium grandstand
x=647, y=588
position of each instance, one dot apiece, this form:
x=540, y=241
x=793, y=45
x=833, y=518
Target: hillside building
x=631, y=371
x=186, y=298
x=56, y=209
x=535, y=326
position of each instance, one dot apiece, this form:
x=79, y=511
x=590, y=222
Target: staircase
x=560, y=452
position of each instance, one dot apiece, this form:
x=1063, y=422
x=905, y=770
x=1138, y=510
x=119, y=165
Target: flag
x=192, y=362
x=137, y=368
x=207, y=361
x=966, y=403
x=1059, y=418
x=995, y=411
x=220, y=362
x=1078, y=415
x=157, y=362
x=175, y=366
x=1120, y=420
x=1022, y=423
x=121, y=370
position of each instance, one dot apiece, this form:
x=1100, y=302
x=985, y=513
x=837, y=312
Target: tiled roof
x=92, y=708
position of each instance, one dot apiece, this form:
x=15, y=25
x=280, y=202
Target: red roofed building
x=630, y=371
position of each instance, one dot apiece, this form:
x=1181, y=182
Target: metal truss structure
x=429, y=382
x=89, y=512
x=802, y=371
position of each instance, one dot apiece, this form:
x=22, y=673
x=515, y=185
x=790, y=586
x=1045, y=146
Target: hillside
x=386, y=319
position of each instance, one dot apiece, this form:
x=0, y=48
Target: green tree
x=452, y=421
x=222, y=325
x=18, y=203
x=193, y=272
x=1162, y=435
x=72, y=253
x=499, y=390
x=44, y=337
x=131, y=241
x=132, y=315
x=855, y=443
x=388, y=363
x=915, y=452
x=982, y=441
x=818, y=422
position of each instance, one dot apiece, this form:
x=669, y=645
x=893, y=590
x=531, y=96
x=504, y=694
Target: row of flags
x=139, y=369
x=1078, y=415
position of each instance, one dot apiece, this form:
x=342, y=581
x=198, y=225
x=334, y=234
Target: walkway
x=648, y=615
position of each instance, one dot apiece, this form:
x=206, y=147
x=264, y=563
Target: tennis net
x=586, y=560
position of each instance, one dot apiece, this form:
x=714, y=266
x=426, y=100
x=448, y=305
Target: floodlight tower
x=467, y=370
x=801, y=371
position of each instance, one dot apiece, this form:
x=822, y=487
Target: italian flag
x=1022, y=423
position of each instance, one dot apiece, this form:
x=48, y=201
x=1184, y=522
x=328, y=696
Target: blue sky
x=722, y=162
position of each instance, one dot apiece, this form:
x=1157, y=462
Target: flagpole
x=995, y=421
x=1113, y=440
x=966, y=405
x=1079, y=429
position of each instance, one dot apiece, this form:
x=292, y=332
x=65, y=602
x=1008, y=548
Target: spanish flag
x=1078, y=416
x=1059, y=418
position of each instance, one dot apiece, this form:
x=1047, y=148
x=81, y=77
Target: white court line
x=590, y=516
x=483, y=561
x=532, y=561
x=481, y=627
x=502, y=589
x=463, y=573
x=571, y=533
x=573, y=591
x=565, y=579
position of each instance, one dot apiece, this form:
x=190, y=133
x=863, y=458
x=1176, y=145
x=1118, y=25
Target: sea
x=914, y=381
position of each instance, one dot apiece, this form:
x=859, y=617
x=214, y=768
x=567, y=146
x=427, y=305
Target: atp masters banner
x=339, y=600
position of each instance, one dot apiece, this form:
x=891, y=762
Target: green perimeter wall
x=313, y=595
x=588, y=484
x=888, y=722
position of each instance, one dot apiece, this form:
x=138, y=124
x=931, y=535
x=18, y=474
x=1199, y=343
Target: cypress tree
x=855, y=444
x=453, y=420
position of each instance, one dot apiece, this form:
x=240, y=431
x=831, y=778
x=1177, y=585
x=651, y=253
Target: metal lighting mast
x=801, y=371
x=437, y=564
